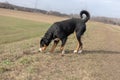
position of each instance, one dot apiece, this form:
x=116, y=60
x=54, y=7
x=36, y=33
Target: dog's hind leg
x=79, y=46
x=56, y=41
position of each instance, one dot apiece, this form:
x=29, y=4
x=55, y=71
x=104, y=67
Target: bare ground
x=99, y=60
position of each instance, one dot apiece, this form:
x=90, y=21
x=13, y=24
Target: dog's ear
x=46, y=41
x=43, y=39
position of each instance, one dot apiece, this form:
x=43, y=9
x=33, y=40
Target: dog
x=59, y=31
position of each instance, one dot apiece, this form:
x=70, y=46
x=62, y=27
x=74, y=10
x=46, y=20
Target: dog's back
x=66, y=27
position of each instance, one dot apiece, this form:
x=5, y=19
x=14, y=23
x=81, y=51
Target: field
x=20, y=59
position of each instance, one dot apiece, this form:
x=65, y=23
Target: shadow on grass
x=29, y=52
x=100, y=52
x=92, y=52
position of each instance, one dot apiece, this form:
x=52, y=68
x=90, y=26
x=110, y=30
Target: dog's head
x=44, y=42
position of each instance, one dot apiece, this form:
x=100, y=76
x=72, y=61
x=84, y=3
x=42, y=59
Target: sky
x=107, y=8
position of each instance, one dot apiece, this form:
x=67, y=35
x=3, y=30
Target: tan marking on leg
x=78, y=45
x=77, y=48
x=61, y=48
x=53, y=47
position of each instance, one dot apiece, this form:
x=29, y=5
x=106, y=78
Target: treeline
x=107, y=20
x=114, y=21
x=19, y=8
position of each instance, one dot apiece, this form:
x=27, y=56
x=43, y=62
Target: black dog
x=61, y=30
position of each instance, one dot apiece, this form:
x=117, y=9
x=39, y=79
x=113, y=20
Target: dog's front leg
x=63, y=45
x=56, y=41
x=62, y=50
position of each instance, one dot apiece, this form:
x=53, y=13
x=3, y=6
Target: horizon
x=101, y=8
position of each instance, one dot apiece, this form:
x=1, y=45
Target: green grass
x=14, y=29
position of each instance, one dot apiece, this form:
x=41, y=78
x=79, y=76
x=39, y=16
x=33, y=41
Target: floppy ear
x=41, y=39
x=46, y=41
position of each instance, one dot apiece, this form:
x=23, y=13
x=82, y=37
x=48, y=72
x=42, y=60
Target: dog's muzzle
x=42, y=49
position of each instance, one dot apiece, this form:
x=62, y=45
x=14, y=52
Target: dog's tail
x=87, y=15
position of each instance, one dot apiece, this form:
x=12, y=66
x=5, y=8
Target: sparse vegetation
x=20, y=59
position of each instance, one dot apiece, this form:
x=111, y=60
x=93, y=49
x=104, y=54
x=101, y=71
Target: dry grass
x=99, y=60
x=30, y=16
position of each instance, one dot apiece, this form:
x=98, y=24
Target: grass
x=14, y=29
x=31, y=16
x=20, y=59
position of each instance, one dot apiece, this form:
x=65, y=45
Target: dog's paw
x=75, y=51
x=63, y=52
x=80, y=51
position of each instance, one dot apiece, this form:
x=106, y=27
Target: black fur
x=64, y=28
